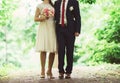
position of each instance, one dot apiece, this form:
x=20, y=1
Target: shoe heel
x=42, y=76
x=50, y=76
x=61, y=76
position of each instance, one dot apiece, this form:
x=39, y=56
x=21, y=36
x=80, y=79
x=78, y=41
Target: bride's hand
x=43, y=18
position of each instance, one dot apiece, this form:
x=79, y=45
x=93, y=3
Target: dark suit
x=65, y=35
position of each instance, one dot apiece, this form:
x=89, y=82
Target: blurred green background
x=98, y=43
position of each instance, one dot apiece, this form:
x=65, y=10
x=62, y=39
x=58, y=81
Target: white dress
x=46, y=37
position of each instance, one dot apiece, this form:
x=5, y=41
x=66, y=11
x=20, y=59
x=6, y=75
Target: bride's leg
x=43, y=61
x=50, y=64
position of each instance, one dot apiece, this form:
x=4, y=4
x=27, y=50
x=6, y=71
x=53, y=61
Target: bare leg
x=43, y=60
x=50, y=64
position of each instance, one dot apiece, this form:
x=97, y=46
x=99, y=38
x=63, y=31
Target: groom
x=68, y=26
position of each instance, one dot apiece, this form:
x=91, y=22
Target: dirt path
x=81, y=74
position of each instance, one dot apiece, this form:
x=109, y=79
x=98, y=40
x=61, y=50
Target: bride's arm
x=38, y=17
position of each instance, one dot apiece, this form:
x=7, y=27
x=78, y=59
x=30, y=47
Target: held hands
x=77, y=34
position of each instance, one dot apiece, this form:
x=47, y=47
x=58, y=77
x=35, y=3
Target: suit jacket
x=72, y=15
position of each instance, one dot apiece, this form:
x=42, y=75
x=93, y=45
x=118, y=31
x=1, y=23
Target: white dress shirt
x=65, y=20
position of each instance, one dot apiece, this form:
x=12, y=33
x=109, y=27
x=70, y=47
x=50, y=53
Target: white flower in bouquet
x=48, y=12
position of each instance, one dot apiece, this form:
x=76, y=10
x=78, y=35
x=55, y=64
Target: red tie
x=63, y=7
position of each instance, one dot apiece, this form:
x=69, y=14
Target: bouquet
x=48, y=12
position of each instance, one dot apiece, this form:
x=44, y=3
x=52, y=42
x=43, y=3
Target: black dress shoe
x=67, y=76
x=61, y=75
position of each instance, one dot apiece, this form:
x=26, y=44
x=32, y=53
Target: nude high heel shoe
x=42, y=75
x=50, y=76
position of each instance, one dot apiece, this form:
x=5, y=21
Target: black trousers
x=65, y=41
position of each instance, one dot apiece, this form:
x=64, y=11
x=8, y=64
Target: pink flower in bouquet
x=48, y=12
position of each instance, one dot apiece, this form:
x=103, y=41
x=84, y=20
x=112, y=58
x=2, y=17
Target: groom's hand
x=77, y=34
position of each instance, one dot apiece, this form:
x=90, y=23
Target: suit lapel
x=59, y=4
x=67, y=9
x=68, y=5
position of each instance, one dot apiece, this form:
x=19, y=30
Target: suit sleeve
x=77, y=17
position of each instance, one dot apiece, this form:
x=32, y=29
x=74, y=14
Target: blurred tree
x=6, y=9
x=86, y=5
x=111, y=33
x=88, y=1
x=102, y=16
